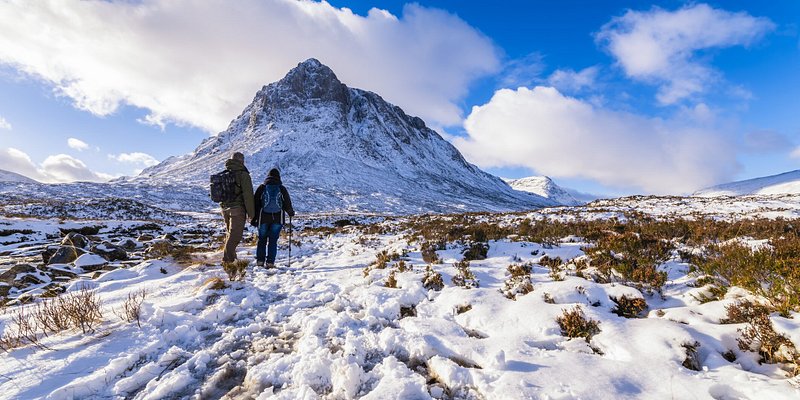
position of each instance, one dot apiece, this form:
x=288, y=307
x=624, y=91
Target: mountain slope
x=344, y=149
x=545, y=187
x=785, y=183
x=8, y=176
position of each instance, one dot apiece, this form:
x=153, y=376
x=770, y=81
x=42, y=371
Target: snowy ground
x=321, y=329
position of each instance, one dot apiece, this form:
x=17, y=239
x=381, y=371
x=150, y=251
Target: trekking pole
x=290, y=242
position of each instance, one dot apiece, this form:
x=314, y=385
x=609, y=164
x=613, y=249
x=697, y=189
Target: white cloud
x=201, y=62
x=571, y=81
x=4, y=125
x=135, y=158
x=565, y=137
x=54, y=169
x=77, y=144
x=524, y=71
x=660, y=46
x=795, y=153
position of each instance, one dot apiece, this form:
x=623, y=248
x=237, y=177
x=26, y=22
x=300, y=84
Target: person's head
x=275, y=173
x=238, y=157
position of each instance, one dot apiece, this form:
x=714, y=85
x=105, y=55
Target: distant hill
x=547, y=188
x=8, y=176
x=785, y=183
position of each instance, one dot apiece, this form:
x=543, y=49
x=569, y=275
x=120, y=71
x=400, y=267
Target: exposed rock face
x=344, y=149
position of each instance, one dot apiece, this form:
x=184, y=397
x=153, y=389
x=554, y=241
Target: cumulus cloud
x=135, y=158
x=57, y=168
x=4, y=125
x=201, y=62
x=77, y=144
x=661, y=47
x=567, y=80
x=795, y=153
x=564, y=137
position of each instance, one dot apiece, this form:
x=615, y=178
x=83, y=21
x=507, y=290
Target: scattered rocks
x=110, y=251
x=168, y=236
x=75, y=239
x=145, y=237
x=65, y=255
x=48, y=252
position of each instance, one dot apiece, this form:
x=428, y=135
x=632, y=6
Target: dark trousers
x=268, y=232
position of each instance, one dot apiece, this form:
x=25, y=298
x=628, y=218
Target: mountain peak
x=312, y=79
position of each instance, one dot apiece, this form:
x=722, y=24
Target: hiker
x=272, y=201
x=238, y=206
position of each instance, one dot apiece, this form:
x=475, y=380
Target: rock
x=129, y=244
x=48, y=252
x=65, y=255
x=4, y=290
x=9, y=276
x=30, y=279
x=110, y=252
x=150, y=226
x=53, y=290
x=75, y=239
x=84, y=230
x=91, y=262
x=159, y=248
x=61, y=271
x=145, y=237
x=168, y=236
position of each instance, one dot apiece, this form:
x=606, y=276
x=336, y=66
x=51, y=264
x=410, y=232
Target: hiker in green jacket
x=238, y=210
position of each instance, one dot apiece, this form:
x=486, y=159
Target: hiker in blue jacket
x=272, y=203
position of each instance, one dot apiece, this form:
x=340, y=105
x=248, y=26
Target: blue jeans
x=268, y=232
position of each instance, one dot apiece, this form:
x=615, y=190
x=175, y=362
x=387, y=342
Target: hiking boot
x=270, y=265
x=259, y=263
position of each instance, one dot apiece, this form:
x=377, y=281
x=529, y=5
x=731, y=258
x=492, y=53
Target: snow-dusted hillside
x=8, y=176
x=344, y=149
x=786, y=183
x=545, y=187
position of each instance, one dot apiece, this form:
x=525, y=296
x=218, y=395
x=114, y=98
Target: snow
x=545, y=187
x=8, y=176
x=89, y=260
x=785, y=183
x=323, y=329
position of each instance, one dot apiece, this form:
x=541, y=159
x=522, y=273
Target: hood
x=235, y=165
x=271, y=180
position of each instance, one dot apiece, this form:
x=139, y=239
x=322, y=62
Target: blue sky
x=723, y=107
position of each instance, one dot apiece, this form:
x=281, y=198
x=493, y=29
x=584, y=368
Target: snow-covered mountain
x=786, y=183
x=8, y=176
x=545, y=187
x=341, y=148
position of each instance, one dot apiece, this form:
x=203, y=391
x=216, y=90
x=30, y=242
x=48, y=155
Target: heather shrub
x=464, y=276
x=574, y=324
x=432, y=280
x=391, y=281
x=629, y=307
x=132, y=307
x=476, y=251
x=518, y=281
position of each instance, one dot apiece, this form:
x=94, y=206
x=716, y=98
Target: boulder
x=110, y=251
x=83, y=230
x=61, y=271
x=10, y=275
x=65, y=255
x=145, y=237
x=159, y=248
x=48, y=252
x=129, y=244
x=75, y=239
x=91, y=262
x=168, y=236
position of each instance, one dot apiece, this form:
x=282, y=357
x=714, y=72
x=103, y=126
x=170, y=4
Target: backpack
x=223, y=187
x=272, y=199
